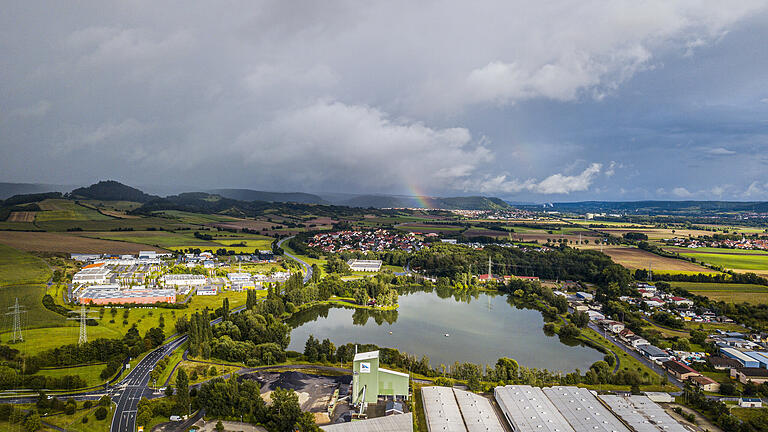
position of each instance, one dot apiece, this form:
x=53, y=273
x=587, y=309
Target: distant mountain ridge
x=651, y=207
x=446, y=203
x=255, y=195
x=110, y=190
x=8, y=190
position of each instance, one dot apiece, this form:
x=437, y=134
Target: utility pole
x=16, y=311
x=83, y=318
x=489, y=267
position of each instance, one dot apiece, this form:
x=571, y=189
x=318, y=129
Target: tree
x=219, y=426
x=581, y=319
x=100, y=413
x=182, y=391
x=284, y=413
x=105, y=401
x=33, y=422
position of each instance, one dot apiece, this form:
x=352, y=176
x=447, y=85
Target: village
x=376, y=241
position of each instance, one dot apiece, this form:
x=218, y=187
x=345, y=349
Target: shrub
x=101, y=413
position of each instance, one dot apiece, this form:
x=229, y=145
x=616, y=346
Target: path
x=307, y=267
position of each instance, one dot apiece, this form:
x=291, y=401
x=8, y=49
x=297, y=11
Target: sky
x=527, y=101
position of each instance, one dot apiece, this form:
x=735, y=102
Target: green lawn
x=627, y=362
x=75, y=422
x=89, y=373
x=19, y=268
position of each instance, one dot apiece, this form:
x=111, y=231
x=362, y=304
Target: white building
x=93, y=275
x=184, y=279
x=239, y=278
x=364, y=265
x=207, y=291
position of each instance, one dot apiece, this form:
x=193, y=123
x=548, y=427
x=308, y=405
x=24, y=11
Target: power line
x=83, y=318
x=16, y=311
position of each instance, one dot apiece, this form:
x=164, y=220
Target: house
x=645, y=293
x=680, y=301
x=723, y=363
x=747, y=374
x=626, y=334
x=584, y=295
x=612, y=326
x=705, y=383
x=655, y=302
x=595, y=315
x=636, y=342
x=578, y=307
x=746, y=402
x=679, y=370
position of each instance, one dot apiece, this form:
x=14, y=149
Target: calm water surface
x=481, y=330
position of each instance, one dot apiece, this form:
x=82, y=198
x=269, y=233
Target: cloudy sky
x=529, y=101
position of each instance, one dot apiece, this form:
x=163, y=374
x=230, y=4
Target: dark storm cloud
x=595, y=99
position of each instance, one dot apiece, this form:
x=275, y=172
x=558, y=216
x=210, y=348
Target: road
x=307, y=267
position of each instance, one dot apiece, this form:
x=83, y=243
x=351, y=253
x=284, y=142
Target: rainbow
x=423, y=200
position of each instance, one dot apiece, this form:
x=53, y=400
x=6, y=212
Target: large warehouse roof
x=582, y=410
x=528, y=409
x=442, y=410
x=393, y=423
x=478, y=413
x=642, y=414
x=134, y=293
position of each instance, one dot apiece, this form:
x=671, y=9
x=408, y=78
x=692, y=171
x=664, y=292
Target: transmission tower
x=83, y=318
x=16, y=311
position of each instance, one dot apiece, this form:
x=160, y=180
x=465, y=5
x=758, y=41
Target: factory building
x=642, y=414
x=527, y=409
x=393, y=423
x=143, y=296
x=364, y=265
x=184, y=280
x=207, y=291
x=441, y=410
x=98, y=275
x=582, y=410
x=369, y=381
x=239, y=278
x=477, y=412
x=745, y=360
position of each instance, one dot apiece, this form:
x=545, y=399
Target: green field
x=75, y=423
x=683, y=250
x=161, y=239
x=194, y=218
x=61, y=210
x=17, y=267
x=705, y=286
x=732, y=261
x=89, y=373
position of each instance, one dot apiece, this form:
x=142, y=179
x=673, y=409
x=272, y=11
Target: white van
x=176, y=418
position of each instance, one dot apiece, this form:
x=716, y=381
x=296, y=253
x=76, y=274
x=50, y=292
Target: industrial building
x=369, y=381
x=207, y=291
x=527, y=409
x=744, y=359
x=642, y=414
x=582, y=410
x=92, y=275
x=679, y=370
x=393, y=423
x=364, y=265
x=184, y=279
x=144, y=296
x=441, y=410
x=239, y=278
x=477, y=412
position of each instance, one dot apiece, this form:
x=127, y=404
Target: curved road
x=307, y=267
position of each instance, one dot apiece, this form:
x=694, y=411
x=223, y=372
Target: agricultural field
x=756, y=263
x=59, y=209
x=21, y=216
x=18, y=267
x=68, y=243
x=656, y=233
x=160, y=239
x=727, y=292
x=109, y=223
x=634, y=258
x=194, y=218
x=430, y=228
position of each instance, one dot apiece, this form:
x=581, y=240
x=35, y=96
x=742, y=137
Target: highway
x=307, y=267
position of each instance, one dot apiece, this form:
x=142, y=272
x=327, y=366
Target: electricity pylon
x=83, y=318
x=16, y=311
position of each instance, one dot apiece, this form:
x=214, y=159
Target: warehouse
x=477, y=412
x=207, y=291
x=184, y=279
x=742, y=358
x=143, y=296
x=527, y=409
x=642, y=414
x=441, y=410
x=369, y=381
x=582, y=410
x=394, y=423
x=93, y=275
x=654, y=353
x=239, y=278
x=364, y=265
x=761, y=358
x=679, y=370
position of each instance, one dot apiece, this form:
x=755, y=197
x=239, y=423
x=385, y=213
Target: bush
x=87, y=404
x=85, y=420
x=101, y=413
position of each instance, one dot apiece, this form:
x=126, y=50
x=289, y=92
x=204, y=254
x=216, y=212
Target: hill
x=254, y=195
x=110, y=190
x=447, y=203
x=10, y=189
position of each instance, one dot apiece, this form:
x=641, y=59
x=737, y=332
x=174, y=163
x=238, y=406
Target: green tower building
x=369, y=381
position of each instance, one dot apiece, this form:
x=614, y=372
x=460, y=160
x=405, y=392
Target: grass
x=175, y=359
x=713, y=250
x=90, y=373
x=74, y=422
x=194, y=218
x=634, y=258
x=746, y=414
x=735, y=297
x=733, y=261
x=18, y=268
x=67, y=243
x=627, y=362
x=163, y=239
x=65, y=210
x=320, y=262
x=706, y=286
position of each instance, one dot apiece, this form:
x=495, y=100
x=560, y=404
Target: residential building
x=705, y=383
x=679, y=370
x=747, y=402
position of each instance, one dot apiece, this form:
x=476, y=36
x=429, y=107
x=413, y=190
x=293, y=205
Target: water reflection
x=481, y=329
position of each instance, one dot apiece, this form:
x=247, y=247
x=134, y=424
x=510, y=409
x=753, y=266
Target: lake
x=481, y=330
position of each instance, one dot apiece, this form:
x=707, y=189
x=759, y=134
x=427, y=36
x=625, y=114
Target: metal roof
x=136, y=293
x=441, y=410
x=478, y=413
x=393, y=423
x=366, y=355
x=642, y=414
x=529, y=409
x=582, y=410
